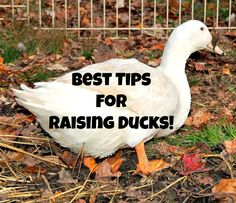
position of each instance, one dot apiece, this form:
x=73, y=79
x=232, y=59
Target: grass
x=87, y=54
x=193, y=80
x=154, y=54
x=33, y=41
x=42, y=74
x=232, y=53
x=211, y=135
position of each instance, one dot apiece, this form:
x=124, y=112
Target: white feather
x=168, y=94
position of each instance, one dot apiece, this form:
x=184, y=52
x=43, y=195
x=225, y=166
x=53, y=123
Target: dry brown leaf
x=204, y=180
x=158, y=47
x=199, y=66
x=155, y=62
x=226, y=113
x=65, y=177
x=230, y=146
x=108, y=41
x=93, y=195
x=15, y=156
x=69, y=158
x=35, y=169
x=80, y=201
x=231, y=34
x=1, y=61
x=85, y=21
x=226, y=71
x=195, y=90
x=16, y=120
x=100, y=56
x=31, y=161
x=120, y=45
x=199, y=118
x=227, y=186
x=58, y=66
x=104, y=170
x=165, y=149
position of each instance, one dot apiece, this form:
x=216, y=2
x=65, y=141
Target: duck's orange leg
x=114, y=162
x=145, y=166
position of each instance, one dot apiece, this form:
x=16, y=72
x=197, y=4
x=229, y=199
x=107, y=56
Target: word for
x=104, y=78
x=111, y=100
x=94, y=122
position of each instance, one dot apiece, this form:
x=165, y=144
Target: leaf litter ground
x=36, y=169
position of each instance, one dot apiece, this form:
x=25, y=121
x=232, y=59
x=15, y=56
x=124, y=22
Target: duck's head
x=192, y=36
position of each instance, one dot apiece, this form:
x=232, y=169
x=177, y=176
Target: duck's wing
x=160, y=96
x=60, y=98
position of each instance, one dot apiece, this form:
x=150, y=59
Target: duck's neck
x=174, y=57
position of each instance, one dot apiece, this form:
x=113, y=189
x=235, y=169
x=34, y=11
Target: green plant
x=211, y=135
x=87, y=54
x=42, y=74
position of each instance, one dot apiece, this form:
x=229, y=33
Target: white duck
x=168, y=94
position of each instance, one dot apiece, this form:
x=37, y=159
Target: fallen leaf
x=199, y=66
x=57, y=66
x=46, y=193
x=158, y=47
x=108, y=41
x=227, y=186
x=226, y=113
x=35, y=169
x=104, y=170
x=226, y=71
x=103, y=55
x=69, y=158
x=155, y=62
x=231, y=34
x=230, y=146
x=15, y=156
x=204, y=180
x=65, y=177
x=1, y=61
x=15, y=121
x=193, y=163
x=31, y=161
x=120, y=45
x=93, y=195
x=199, y=118
x=195, y=90
x=132, y=192
x=165, y=149
x=31, y=58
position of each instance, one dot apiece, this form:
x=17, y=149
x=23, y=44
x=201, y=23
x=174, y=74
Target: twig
x=26, y=137
x=8, y=165
x=164, y=189
x=71, y=190
x=48, y=184
x=30, y=154
x=9, y=124
x=85, y=182
x=219, y=156
x=113, y=196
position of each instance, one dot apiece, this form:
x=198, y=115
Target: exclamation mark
x=171, y=122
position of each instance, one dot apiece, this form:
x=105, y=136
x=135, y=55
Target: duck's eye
x=201, y=28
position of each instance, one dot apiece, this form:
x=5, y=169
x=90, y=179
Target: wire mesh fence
x=118, y=17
